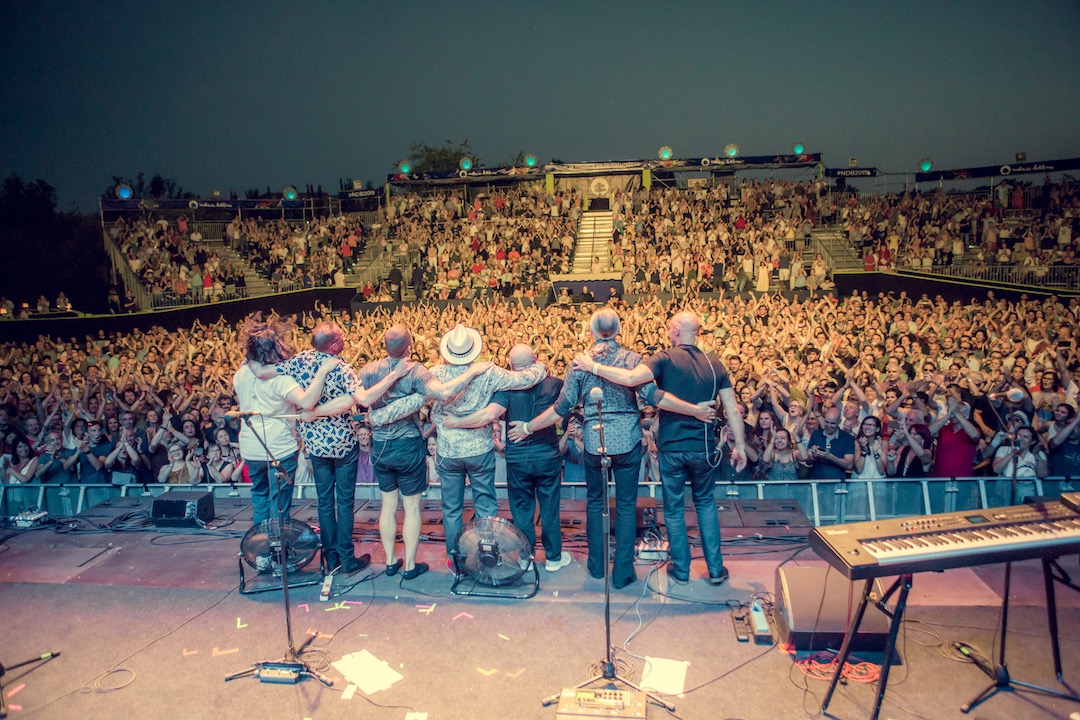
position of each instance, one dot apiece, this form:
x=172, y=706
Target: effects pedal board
x=652, y=550
x=283, y=673
x=601, y=703
x=29, y=519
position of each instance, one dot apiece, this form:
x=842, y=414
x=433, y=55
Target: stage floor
x=161, y=609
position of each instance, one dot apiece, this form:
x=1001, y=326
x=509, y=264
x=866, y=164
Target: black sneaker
x=719, y=579
x=352, y=565
x=331, y=561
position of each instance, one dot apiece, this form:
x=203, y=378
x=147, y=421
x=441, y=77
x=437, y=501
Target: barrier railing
x=1066, y=277
x=826, y=502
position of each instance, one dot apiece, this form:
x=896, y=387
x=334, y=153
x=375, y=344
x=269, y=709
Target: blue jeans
x=335, y=485
x=625, y=469
x=261, y=498
x=452, y=472
x=528, y=483
x=676, y=469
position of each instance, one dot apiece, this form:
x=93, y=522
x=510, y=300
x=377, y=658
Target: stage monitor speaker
x=772, y=513
x=814, y=606
x=644, y=517
x=180, y=508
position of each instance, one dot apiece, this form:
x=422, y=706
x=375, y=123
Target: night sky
x=237, y=95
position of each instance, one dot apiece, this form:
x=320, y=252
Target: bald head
x=521, y=356
x=683, y=328
x=398, y=341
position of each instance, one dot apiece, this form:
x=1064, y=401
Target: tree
x=159, y=188
x=427, y=158
x=55, y=251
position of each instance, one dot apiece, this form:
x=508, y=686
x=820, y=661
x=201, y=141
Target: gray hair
x=605, y=324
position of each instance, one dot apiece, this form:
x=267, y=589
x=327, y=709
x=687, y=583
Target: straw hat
x=461, y=345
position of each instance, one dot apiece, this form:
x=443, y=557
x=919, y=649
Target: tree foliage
x=428, y=158
x=157, y=188
x=49, y=251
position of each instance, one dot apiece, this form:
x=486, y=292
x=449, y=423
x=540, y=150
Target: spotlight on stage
x=465, y=164
x=124, y=191
x=404, y=167
x=290, y=193
x=798, y=149
x=731, y=150
x=926, y=165
x=666, y=153
x=530, y=160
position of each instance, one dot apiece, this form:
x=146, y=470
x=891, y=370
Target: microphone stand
x=292, y=668
x=608, y=671
x=999, y=672
x=45, y=657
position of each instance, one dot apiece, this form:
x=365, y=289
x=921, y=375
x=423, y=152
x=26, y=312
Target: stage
x=162, y=610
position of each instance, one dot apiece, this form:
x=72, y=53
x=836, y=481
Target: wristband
x=525, y=428
x=595, y=368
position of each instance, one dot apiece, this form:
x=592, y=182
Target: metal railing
x=1066, y=277
x=826, y=502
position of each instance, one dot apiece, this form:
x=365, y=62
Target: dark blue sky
x=242, y=94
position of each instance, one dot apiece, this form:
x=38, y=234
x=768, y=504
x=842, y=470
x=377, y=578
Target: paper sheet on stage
x=664, y=675
x=367, y=672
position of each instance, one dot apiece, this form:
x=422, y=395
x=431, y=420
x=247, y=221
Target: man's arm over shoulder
x=517, y=380
x=401, y=408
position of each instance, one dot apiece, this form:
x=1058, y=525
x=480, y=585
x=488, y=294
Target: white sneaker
x=555, y=565
x=525, y=563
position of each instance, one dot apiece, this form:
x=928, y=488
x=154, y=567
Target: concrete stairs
x=594, y=233
x=836, y=249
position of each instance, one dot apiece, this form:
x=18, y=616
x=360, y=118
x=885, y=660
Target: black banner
x=358, y=194
x=108, y=203
x=514, y=174
x=851, y=172
x=1047, y=166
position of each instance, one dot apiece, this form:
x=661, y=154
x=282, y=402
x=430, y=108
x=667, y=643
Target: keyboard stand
x=903, y=584
x=1052, y=572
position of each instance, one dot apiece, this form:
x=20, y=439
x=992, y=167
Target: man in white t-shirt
x=260, y=390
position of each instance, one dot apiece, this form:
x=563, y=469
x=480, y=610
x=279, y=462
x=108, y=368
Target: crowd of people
x=923, y=231
x=172, y=263
x=318, y=253
x=905, y=362
x=505, y=243
x=752, y=237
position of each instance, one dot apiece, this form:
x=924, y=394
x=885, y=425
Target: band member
x=260, y=389
x=331, y=443
x=622, y=434
x=534, y=465
x=685, y=441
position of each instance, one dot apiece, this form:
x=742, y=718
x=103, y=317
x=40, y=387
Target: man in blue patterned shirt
x=622, y=434
x=469, y=451
x=330, y=442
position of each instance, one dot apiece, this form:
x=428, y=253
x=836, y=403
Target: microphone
x=1012, y=395
x=596, y=395
x=236, y=414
